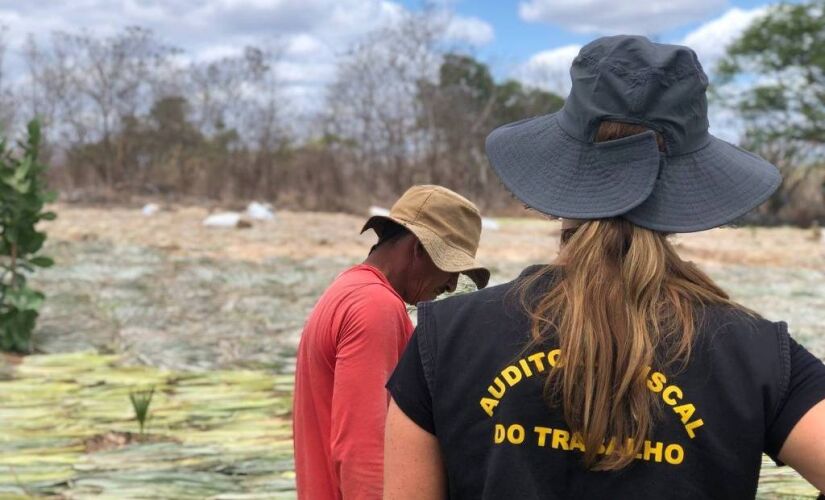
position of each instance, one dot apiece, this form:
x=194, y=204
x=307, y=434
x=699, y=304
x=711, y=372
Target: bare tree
x=238, y=98
x=373, y=103
x=86, y=87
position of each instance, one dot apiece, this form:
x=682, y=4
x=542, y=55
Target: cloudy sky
x=533, y=40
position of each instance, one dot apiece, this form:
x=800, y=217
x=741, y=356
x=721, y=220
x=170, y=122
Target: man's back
x=350, y=345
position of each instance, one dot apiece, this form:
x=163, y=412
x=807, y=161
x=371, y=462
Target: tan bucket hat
x=447, y=224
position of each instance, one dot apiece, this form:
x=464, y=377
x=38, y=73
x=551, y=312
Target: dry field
x=270, y=274
x=211, y=317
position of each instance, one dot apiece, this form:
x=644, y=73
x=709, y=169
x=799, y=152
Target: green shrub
x=22, y=200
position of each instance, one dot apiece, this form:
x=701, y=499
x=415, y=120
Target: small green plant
x=141, y=400
x=22, y=200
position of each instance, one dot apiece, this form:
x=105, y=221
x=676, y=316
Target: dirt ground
x=213, y=316
x=305, y=235
x=177, y=294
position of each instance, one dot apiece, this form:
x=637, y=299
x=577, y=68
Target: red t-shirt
x=350, y=345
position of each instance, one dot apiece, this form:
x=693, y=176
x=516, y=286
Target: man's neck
x=381, y=260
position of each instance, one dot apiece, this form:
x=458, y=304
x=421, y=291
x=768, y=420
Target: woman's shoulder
x=733, y=319
x=735, y=336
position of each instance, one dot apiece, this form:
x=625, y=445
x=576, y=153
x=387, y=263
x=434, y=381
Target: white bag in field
x=379, y=211
x=490, y=224
x=260, y=211
x=224, y=219
x=150, y=209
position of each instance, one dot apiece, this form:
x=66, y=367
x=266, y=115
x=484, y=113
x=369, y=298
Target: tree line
x=128, y=115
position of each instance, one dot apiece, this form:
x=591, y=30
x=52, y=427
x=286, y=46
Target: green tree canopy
x=773, y=76
x=781, y=58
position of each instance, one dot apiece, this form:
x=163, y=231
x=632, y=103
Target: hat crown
x=631, y=79
x=450, y=216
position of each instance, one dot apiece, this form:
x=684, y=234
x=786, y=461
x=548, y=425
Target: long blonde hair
x=624, y=302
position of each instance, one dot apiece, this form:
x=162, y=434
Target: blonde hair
x=623, y=297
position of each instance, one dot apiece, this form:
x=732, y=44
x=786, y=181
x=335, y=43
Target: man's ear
x=418, y=249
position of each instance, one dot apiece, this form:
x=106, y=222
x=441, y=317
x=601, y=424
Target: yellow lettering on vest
x=611, y=445
x=542, y=432
x=498, y=391
x=553, y=357
x=515, y=434
x=693, y=425
x=560, y=439
x=577, y=443
x=628, y=447
x=542, y=435
x=656, y=382
x=685, y=412
x=655, y=450
x=512, y=375
x=488, y=405
x=525, y=368
x=669, y=391
x=498, y=436
x=674, y=454
x=538, y=360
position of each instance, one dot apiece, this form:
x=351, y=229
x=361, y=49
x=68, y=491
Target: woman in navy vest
x=619, y=371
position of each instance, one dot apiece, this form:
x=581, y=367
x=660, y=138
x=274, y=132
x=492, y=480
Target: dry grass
x=167, y=293
x=309, y=235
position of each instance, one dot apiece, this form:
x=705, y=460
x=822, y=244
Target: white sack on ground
x=260, y=211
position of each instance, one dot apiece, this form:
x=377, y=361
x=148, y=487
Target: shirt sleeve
x=367, y=351
x=806, y=388
x=409, y=389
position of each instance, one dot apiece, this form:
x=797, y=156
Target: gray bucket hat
x=553, y=165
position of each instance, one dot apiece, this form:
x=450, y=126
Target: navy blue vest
x=500, y=440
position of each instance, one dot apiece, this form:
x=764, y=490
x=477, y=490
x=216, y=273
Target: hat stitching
x=407, y=223
x=421, y=207
x=635, y=121
x=444, y=241
x=591, y=144
x=456, y=197
x=669, y=76
x=707, y=145
x=477, y=269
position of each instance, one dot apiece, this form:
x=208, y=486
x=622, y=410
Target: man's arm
x=367, y=353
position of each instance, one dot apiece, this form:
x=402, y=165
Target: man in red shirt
x=357, y=332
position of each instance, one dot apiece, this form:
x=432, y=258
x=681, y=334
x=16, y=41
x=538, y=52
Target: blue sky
x=517, y=39
x=531, y=40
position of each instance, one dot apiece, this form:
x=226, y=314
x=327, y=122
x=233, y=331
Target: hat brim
x=444, y=256
x=559, y=175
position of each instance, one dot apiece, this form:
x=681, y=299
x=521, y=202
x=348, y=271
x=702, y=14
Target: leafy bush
x=22, y=200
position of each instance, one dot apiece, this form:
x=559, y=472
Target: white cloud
x=711, y=40
x=618, y=16
x=304, y=45
x=549, y=70
x=309, y=33
x=311, y=73
x=471, y=30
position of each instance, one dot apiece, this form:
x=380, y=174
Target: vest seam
x=781, y=329
x=427, y=358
